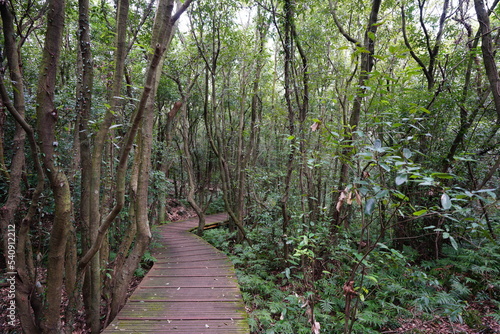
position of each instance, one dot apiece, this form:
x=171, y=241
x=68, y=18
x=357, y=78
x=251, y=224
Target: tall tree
x=487, y=50
x=367, y=62
x=47, y=115
x=12, y=53
x=143, y=120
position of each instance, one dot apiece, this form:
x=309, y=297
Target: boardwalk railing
x=192, y=288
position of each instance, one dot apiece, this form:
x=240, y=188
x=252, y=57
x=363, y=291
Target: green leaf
x=393, y=49
x=401, y=179
x=370, y=206
x=382, y=194
x=463, y=158
x=420, y=212
x=453, y=243
x=483, y=191
x=400, y=195
x=407, y=153
x=445, y=201
x=442, y=175
x=384, y=166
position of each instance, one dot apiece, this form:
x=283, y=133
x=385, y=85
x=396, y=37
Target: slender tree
x=366, y=66
x=47, y=115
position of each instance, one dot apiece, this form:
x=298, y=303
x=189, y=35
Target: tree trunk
x=25, y=273
x=9, y=208
x=142, y=119
x=26, y=300
x=289, y=55
x=92, y=284
x=190, y=170
x=46, y=120
x=367, y=62
x=488, y=51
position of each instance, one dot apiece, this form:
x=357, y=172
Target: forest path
x=191, y=288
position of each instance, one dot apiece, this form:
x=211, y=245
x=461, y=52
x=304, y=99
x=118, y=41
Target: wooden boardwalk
x=191, y=288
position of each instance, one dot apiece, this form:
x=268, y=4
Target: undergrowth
x=289, y=296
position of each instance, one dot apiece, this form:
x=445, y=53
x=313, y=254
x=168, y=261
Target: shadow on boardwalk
x=192, y=288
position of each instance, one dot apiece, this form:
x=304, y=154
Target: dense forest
x=355, y=146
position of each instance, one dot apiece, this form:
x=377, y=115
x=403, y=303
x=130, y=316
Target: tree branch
x=181, y=10
x=408, y=45
x=339, y=26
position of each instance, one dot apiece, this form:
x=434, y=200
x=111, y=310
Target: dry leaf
x=358, y=197
x=342, y=197
x=315, y=126
x=349, y=198
x=315, y=327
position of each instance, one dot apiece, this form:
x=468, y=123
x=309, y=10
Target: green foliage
x=146, y=263
x=390, y=287
x=216, y=206
x=159, y=184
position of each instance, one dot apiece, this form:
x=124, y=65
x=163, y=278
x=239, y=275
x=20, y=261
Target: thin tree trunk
x=46, y=120
x=25, y=276
x=367, y=62
x=488, y=51
x=17, y=163
x=291, y=123
x=143, y=118
x=26, y=300
x=190, y=170
x=92, y=291
x=70, y=282
x=186, y=137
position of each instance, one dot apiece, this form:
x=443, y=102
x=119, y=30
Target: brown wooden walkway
x=192, y=288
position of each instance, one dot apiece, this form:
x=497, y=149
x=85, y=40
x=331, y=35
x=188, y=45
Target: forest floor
x=440, y=325
x=175, y=211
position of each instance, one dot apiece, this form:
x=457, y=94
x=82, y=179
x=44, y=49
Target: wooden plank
x=192, y=266
x=176, y=326
x=202, y=256
x=196, y=261
x=183, y=310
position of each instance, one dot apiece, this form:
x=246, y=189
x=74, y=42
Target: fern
x=495, y=316
x=360, y=328
x=283, y=327
x=276, y=307
x=325, y=306
x=444, y=298
x=373, y=319
x=460, y=290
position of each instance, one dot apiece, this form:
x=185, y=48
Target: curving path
x=192, y=288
